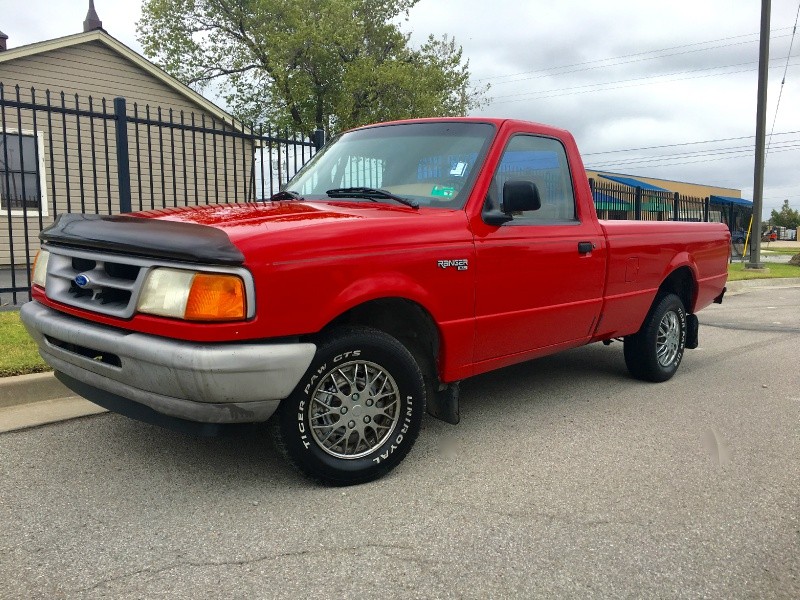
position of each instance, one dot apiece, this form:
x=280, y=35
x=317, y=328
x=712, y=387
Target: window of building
x=22, y=184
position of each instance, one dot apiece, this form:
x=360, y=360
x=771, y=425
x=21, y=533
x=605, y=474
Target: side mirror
x=519, y=196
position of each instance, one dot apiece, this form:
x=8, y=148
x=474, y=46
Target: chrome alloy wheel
x=354, y=409
x=668, y=339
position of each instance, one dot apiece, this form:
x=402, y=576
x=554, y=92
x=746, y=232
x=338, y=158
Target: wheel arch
x=682, y=282
x=406, y=320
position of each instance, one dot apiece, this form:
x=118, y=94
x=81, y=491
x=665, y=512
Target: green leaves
x=305, y=64
x=787, y=217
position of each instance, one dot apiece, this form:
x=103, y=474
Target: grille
x=109, y=284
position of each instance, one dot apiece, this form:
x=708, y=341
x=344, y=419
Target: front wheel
x=357, y=410
x=655, y=351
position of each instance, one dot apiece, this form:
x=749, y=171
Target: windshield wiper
x=371, y=194
x=285, y=195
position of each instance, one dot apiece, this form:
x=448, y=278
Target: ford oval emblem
x=81, y=281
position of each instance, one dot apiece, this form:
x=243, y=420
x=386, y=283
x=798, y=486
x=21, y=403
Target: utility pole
x=761, y=127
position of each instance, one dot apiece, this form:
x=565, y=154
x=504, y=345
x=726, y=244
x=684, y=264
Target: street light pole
x=761, y=127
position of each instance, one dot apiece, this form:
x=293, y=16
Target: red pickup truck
x=404, y=258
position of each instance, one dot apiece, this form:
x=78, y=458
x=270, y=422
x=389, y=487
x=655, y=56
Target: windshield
x=431, y=164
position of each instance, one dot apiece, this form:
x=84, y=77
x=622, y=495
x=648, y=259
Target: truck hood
x=298, y=229
x=240, y=221
x=259, y=233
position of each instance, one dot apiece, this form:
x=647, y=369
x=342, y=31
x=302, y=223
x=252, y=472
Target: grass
x=18, y=353
x=789, y=251
x=737, y=272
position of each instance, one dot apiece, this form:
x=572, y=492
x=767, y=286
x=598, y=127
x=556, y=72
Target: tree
x=786, y=217
x=307, y=64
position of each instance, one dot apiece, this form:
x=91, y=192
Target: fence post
x=123, y=163
x=318, y=138
x=637, y=203
x=675, y=212
x=706, y=207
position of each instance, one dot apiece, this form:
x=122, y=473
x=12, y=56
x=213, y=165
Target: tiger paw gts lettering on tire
x=357, y=411
x=654, y=353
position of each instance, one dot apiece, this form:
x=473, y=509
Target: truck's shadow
x=246, y=454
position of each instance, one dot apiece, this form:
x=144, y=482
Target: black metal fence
x=615, y=201
x=618, y=202
x=64, y=153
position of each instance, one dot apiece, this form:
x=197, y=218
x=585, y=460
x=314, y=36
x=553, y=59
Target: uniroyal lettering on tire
x=356, y=412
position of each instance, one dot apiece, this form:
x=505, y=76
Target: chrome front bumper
x=200, y=382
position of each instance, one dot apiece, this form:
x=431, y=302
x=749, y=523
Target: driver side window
x=544, y=162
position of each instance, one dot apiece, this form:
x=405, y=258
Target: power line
x=744, y=137
x=541, y=95
x=709, y=150
x=626, y=62
x=794, y=143
x=590, y=62
x=655, y=162
x=785, y=70
x=659, y=163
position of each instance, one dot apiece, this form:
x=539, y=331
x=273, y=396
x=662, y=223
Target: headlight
x=192, y=295
x=40, y=268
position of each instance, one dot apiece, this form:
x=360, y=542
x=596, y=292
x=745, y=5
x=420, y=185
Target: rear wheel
x=654, y=353
x=356, y=412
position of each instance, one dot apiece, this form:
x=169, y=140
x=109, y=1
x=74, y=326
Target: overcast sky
x=619, y=74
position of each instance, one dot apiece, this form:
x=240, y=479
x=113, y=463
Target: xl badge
x=461, y=264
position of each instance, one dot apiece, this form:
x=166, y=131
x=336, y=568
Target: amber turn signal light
x=216, y=297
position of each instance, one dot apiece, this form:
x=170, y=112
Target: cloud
x=632, y=102
x=640, y=98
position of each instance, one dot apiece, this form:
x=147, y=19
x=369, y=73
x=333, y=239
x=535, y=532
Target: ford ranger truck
x=402, y=259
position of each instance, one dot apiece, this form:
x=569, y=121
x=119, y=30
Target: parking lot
x=565, y=478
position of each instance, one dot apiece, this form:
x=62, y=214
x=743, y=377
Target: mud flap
x=444, y=404
x=692, y=332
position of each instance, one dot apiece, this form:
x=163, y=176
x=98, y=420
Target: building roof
x=631, y=182
x=731, y=200
x=98, y=35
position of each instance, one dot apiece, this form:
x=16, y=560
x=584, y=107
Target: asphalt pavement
x=565, y=479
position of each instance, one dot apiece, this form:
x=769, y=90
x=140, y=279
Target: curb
x=737, y=287
x=38, y=399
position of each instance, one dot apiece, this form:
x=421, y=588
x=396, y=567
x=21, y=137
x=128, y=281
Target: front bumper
x=199, y=382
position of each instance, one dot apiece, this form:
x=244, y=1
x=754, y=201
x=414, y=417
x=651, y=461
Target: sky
x=664, y=90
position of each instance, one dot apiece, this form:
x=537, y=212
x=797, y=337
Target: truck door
x=540, y=275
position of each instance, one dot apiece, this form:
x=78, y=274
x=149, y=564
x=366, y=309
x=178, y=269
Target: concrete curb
x=34, y=414
x=39, y=399
x=24, y=389
x=737, y=287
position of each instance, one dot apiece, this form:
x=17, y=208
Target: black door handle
x=585, y=247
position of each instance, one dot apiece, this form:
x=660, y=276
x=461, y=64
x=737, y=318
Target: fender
x=455, y=335
x=680, y=260
x=376, y=287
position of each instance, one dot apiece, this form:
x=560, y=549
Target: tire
x=357, y=410
x=654, y=353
